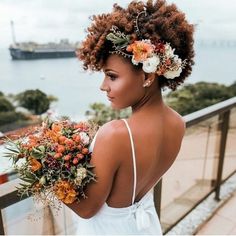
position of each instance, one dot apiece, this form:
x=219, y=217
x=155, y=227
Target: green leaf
x=13, y=150
x=120, y=41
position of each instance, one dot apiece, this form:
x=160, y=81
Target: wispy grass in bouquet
x=54, y=161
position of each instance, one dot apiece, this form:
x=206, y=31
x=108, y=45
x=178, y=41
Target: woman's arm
x=106, y=159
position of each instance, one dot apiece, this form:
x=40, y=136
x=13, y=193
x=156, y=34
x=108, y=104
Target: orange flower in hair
x=141, y=50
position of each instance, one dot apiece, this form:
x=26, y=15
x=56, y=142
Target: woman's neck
x=152, y=99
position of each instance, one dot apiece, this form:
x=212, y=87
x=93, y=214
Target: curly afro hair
x=163, y=22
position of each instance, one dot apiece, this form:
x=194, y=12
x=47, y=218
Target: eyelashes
x=112, y=76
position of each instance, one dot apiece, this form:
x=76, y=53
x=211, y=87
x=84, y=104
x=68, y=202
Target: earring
x=147, y=84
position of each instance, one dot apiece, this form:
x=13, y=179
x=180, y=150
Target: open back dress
x=138, y=218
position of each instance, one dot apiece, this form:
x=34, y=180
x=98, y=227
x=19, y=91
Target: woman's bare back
x=157, y=141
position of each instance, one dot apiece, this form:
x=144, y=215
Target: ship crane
x=13, y=32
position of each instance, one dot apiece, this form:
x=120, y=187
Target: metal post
x=1, y=224
x=157, y=197
x=224, y=126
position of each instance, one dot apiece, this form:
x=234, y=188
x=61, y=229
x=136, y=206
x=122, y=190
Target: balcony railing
x=207, y=158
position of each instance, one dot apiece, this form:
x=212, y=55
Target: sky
x=52, y=20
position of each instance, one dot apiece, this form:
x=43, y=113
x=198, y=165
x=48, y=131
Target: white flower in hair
x=172, y=74
x=169, y=52
x=177, y=60
x=151, y=63
x=134, y=61
x=158, y=57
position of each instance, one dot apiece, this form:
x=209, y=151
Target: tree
x=193, y=97
x=99, y=113
x=34, y=100
x=5, y=105
x=232, y=88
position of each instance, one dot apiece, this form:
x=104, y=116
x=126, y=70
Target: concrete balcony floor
x=223, y=222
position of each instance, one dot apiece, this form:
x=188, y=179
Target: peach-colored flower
x=65, y=191
x=70, y=197
x=52, y=135
x=141, y=50
x=56, y=127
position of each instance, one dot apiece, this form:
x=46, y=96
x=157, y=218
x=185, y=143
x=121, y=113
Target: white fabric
x=138, y=219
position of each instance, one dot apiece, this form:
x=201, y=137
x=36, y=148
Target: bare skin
x=157, y=133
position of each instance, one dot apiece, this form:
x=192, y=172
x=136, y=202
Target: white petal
x=134, y=61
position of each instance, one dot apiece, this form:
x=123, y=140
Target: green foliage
x=100, y=113
x=120, y=40
x=10, y=117
x=1, y=94
x=5, y=105
x=52, y=98
x=232, y=89
x=193, y=97
x=190, y=98
x=34, y=100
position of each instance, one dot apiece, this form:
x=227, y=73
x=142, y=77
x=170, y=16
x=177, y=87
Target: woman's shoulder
x=111, y=128
x=176, y=121
x=111, y=142
x=111, y=132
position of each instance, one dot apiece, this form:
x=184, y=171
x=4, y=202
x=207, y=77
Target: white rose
x=133, y=61
x=84, y=138
x=177, y=60
x=150, y=64
x=172, y=74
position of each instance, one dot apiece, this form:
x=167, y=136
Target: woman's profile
x=140, y=49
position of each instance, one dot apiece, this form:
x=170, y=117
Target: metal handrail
x=9, y=194
x=209, y=112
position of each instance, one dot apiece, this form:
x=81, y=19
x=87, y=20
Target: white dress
x=139, y=218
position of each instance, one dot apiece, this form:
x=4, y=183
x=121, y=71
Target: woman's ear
x=148, y=79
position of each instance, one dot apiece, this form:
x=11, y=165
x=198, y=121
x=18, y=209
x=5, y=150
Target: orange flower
x=34, y=164
x=76, y=138
x=85, y=151
x=70, y=144
x=52, y=135
x=56, y=127
x=81, y=126
x=58, y=155
x=65, y=191
x=62, y=139
x=141, y=50
x=70, y=198
x=61, y=148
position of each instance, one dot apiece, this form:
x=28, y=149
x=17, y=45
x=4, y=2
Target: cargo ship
x=32, y=50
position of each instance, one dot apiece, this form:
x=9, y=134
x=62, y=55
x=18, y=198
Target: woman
x=141, y=50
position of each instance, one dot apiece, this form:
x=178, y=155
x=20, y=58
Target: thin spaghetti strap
x=134, y=159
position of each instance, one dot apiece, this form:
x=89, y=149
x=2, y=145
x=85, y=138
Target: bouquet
x=54, y=161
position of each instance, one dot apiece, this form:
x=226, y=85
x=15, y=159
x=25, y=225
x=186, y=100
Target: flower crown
x=156, y=58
